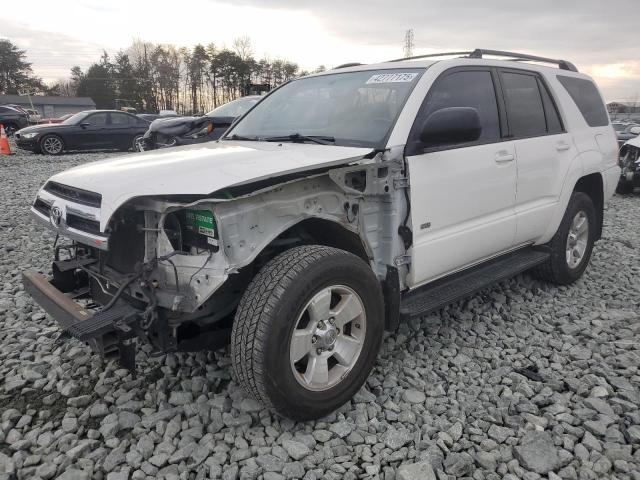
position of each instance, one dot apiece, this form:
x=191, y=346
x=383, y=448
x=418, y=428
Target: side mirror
x=451, y=125
x=85, y=124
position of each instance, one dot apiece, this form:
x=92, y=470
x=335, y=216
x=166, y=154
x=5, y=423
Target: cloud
x=51, y=54
x=601, y=38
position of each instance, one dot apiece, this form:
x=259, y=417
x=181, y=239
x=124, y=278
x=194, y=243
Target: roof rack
x=442, y=54
x=479, y=52
x=345, y=65
x=562, y=64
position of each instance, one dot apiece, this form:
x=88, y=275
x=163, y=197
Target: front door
x=90, y=133
x=462, y=195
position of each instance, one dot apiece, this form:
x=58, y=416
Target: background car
x=34, y=115
x=89, y=130
x=625, y=131
x=171, y=132
x=55, y=120
x=150, y=117
x=12, y=119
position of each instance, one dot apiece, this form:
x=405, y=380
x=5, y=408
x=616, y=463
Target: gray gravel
x=448, y=397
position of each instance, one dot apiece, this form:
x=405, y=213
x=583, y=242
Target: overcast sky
x=602, y=38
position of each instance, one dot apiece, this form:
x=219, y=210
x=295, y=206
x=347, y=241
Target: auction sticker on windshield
x=392, y=77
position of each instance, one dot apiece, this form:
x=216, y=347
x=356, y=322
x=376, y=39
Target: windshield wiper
x=240, y=137
x=296, y=137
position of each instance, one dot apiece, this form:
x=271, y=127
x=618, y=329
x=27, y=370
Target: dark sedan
x=89, y=130
x=169, y=132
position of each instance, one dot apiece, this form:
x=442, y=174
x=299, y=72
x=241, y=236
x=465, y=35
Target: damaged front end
x=147, y=277
x=170, y=270
x=630, y=166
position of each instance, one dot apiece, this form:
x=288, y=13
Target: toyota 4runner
x=339, y=205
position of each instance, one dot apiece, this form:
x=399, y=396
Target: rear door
x=121, y=129
x=462, y=195
x=543, y=149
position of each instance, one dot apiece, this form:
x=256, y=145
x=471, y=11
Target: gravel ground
x=526, y=380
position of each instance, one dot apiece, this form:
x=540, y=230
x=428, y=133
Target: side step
x=463, y=284
x=102, y=322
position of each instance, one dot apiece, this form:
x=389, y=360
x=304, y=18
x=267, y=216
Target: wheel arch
x=593, y=186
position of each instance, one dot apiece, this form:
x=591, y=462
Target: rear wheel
x=307, y=331
x=51, y=145
x=136, y=145
x=572, y=244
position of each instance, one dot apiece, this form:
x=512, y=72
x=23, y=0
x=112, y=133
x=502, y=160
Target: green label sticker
x=201, y=221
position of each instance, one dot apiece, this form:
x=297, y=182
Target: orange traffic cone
x=5, y=149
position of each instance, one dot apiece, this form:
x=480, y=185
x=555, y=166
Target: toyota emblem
x=55, y=215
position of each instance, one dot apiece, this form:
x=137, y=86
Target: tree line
x=152, y=77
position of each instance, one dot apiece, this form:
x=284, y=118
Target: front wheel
x=307, y=331
x=572, y=244
x=51, y=145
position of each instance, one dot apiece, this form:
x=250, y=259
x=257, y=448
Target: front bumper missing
x=108, y=333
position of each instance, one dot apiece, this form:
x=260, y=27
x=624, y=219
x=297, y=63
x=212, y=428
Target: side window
x=467, y=88
x=524, y=105
x=120, y=119
x=554, y=125
x=585, y=95
x=97, y=119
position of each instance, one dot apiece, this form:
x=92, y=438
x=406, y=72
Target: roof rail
x=562, y=64
x=345, y=65
x=479, y=52
x=442, y=54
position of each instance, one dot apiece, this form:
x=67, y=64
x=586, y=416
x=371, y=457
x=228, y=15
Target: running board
x=463, y=284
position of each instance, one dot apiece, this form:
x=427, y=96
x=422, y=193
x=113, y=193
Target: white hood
x=198, y=169
x=634, y=142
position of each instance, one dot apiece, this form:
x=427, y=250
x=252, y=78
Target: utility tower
x=408, y=43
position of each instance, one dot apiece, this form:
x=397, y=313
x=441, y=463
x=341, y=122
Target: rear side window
x=467, y=88
x=120, y=119
x=524, y=105
x=585, y=95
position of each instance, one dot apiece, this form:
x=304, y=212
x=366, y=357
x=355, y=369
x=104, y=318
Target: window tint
x=4, y=109
x=119, y=119
x=466, y=89
x=554, y=125
x=585, y=95
x=97, y=119
x=524, y=105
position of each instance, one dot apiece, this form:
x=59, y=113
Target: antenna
x=408, y=43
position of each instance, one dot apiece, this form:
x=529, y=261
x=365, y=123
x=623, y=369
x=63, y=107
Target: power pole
x=408, y=43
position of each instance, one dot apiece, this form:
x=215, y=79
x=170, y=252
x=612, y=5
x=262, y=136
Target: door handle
x=562, y=146
x=504, y=157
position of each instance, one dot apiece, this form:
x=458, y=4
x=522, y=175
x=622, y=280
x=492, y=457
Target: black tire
x=266, y=318
x=557, y=269
x=49, y=139
x=624, y=187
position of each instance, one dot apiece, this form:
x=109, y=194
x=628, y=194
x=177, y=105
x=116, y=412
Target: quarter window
x=524, y=105
x=467, y=88
x=585, y=95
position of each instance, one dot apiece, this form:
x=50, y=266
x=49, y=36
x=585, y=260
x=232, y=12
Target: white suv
x=340, y=204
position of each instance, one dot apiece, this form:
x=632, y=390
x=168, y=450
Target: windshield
x=234, y=108
x=353, y=109
x=76, y=118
